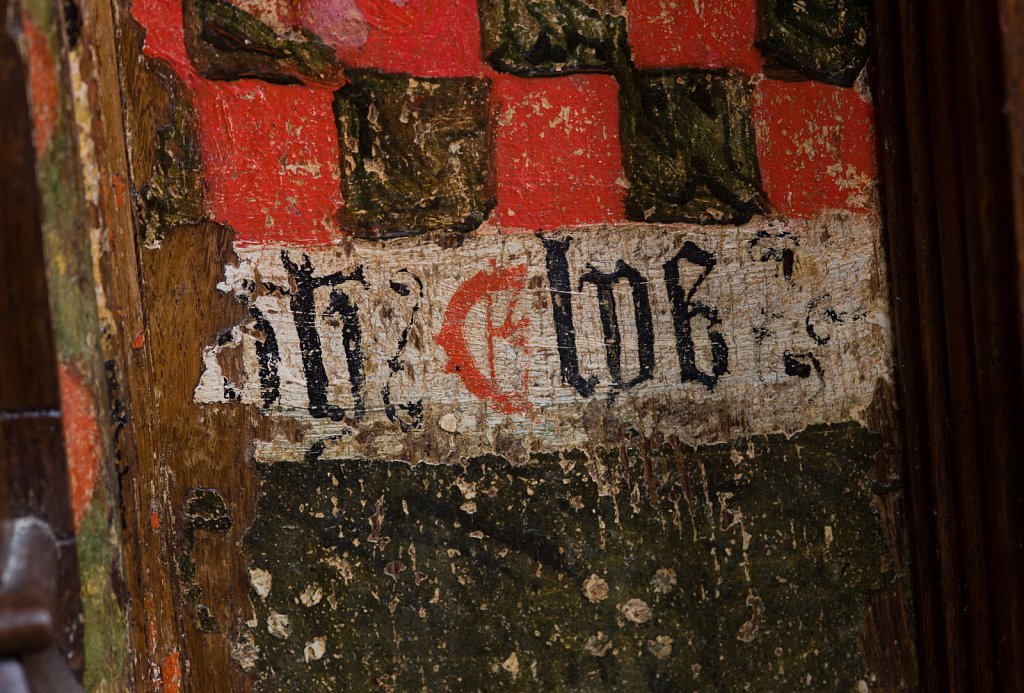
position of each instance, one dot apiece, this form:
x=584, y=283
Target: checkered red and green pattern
x=709, y=112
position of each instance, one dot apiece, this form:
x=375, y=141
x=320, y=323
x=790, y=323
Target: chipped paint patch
x=170, y=672
x=81, y=439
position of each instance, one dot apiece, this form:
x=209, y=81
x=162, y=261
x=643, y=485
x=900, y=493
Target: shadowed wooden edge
x=32, y=460
x=947, y=155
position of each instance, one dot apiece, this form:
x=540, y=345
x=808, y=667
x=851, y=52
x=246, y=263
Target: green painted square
x=826, y=40
x=546, y=37
x=416, y=154
x=688, y=147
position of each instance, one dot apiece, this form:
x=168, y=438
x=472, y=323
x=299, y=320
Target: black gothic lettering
x=605, y=283
x=801, y=365
x=413, y=411
x=352, y=341
x=268, y=356
x=304, y=313
x=684, y=309
x=561, y=312
x=775, y=247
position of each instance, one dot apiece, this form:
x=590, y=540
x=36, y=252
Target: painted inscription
x=556, y=339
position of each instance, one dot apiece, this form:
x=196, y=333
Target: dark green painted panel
x=688, y=147
x=545, y=37
x=225, y=42
x=708, y=569
x=416, y=153
x=826, y=40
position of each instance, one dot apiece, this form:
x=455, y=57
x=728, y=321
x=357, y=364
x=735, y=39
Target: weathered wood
x=783, y=556
x=949, y=193
x=33, y=472
x=50, y=46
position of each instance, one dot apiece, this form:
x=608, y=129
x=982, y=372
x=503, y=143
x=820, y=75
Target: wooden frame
x=951, y=167
x=33, y=472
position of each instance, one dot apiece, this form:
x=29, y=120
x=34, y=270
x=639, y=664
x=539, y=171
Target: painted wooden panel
x=509, y=344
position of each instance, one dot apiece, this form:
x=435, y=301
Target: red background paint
x=694, y=33
x=270, y=156
x=81, y=439
x=269, y=152
x=42, y=83
x=815, y=146
x=557, y=153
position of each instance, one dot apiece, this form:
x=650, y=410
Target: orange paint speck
x=119, y=187
x=43, y=86
x=151, y=635
x=81, y=439
x=170, y=672
x=139, y=340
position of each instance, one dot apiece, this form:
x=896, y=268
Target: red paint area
x=165, y=35
x=699, y=33
x=270, y=152
x=170, y=673
x=425, y=38
x=117, y=182
x=270, y=160
x=81, y=439
x=42, y=84
x=482, y=288
x=557, y=154
x=815, y=145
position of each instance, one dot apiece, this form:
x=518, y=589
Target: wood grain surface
x=949, y=134
x=33, y=473
x=190, y=496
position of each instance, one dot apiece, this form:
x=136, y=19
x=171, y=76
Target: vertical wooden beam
x=953, y=239
x=33, y=477
x=48, y=36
